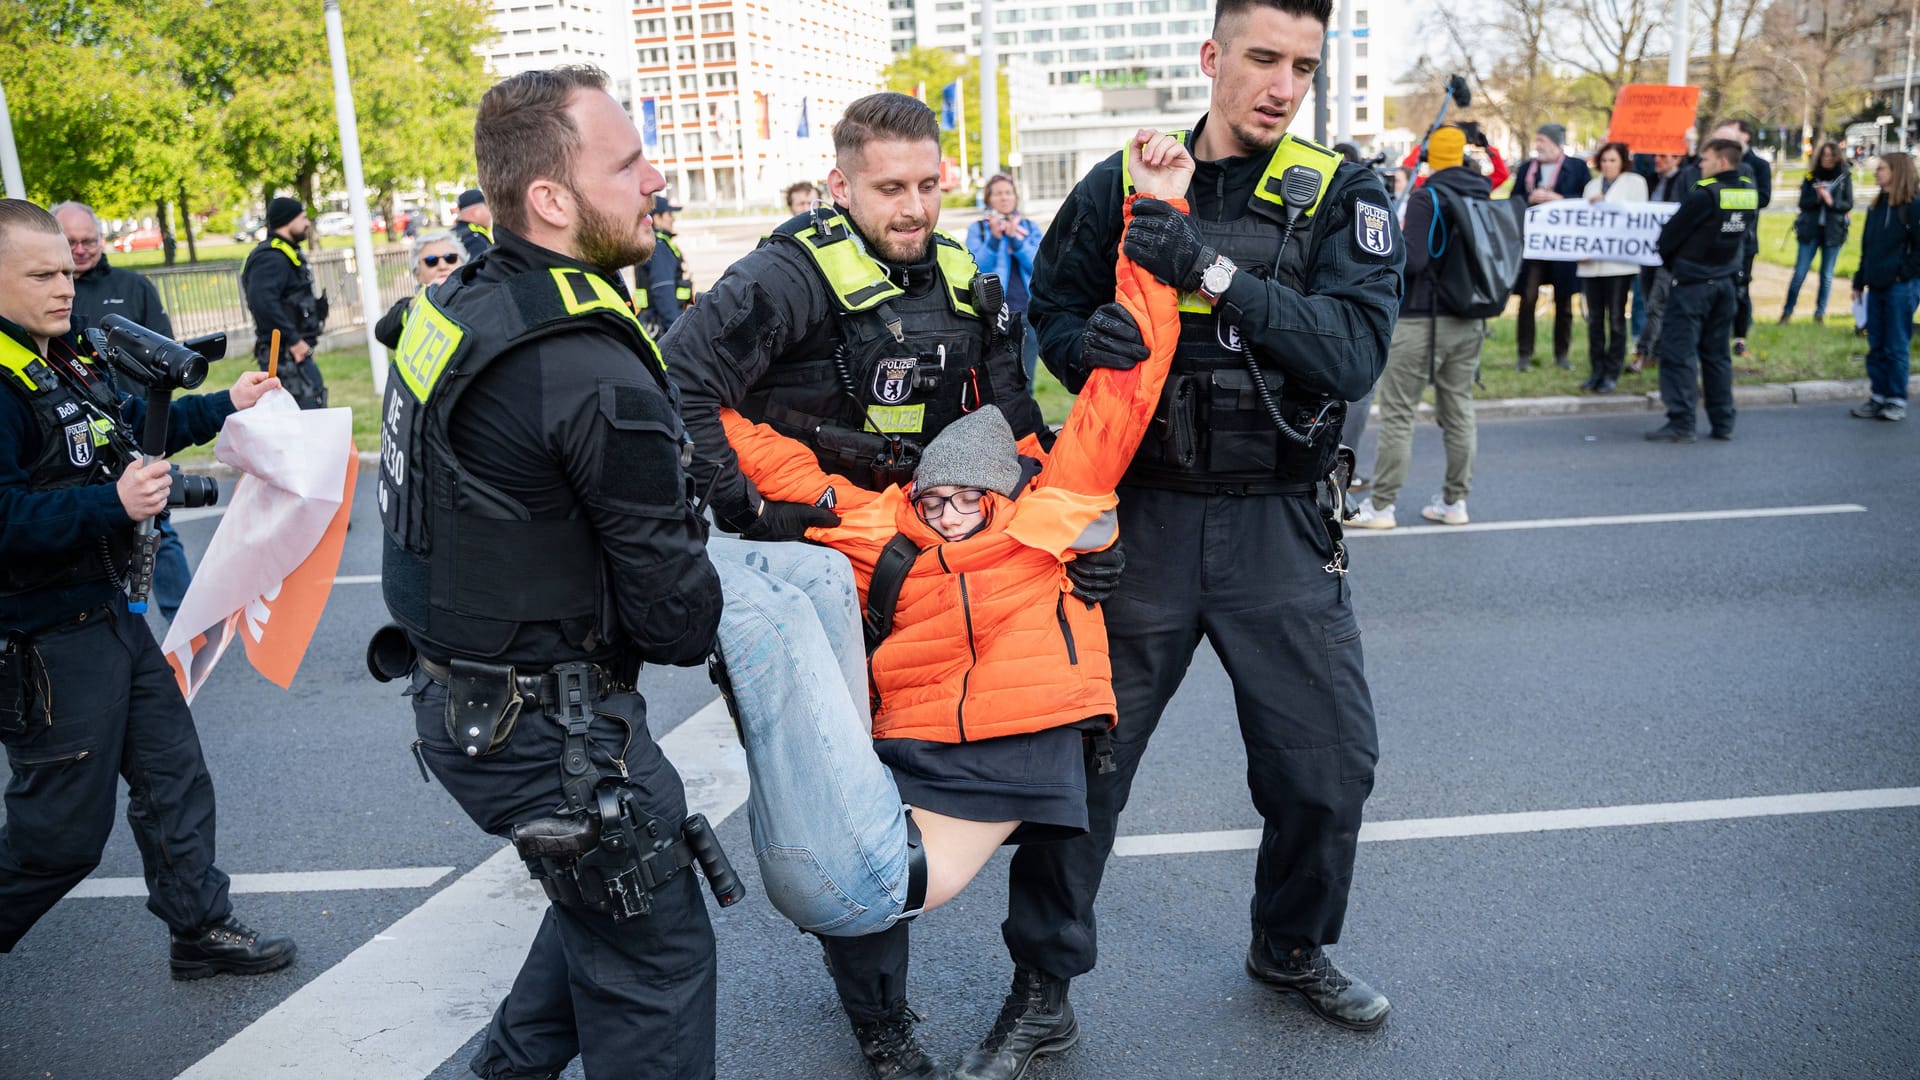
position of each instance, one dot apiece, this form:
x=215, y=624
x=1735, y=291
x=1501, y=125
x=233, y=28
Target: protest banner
x=1572, y=230
x=1653, y=119
x=269, y=569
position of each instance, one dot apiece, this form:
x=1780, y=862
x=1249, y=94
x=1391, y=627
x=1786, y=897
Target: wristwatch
x=1215, y=279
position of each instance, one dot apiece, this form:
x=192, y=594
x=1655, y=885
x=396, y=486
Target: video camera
x=160, y=366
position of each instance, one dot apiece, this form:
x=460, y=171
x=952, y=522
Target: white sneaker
x=1370, y=516
x=1454, y=513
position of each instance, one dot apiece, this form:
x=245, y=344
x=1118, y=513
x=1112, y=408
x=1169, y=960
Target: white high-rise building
x=547, y=33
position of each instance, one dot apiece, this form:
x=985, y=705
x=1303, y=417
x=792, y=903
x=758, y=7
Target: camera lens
x=192, y=492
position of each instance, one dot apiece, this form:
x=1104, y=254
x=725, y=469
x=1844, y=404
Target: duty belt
x=534, y=689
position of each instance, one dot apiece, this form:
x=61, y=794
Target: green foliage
x=935, y=68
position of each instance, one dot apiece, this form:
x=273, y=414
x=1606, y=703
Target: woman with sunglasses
x=435, y=256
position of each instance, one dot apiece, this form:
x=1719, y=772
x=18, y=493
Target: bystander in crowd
x=1826, y=197
x=1607, y=283
x=1889, y=276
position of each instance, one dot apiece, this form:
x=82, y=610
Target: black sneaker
x=1669, y=435
x=1338, y=997
x=228, y=947
x=1036, y=1020
x=1868, y=411
x=1721, y=435
x=1563, y=363
x=1525, y=364
x=891, y=1050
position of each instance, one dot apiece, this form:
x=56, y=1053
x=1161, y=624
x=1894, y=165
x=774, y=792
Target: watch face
x=1216, y=278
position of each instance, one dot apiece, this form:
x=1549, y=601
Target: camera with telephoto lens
x=154, y=361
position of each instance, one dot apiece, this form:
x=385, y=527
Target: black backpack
x=1477, y=249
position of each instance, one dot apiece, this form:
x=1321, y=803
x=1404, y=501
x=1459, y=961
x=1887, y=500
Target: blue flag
x=950, y=106
x=805, y=130
x=649, y=123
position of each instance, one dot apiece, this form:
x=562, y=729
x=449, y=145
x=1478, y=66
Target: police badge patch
x=1372, y=228
x=893, y=380
x=80, y=444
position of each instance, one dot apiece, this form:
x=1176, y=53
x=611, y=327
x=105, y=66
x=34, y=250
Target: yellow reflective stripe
x=427, y=342
x=600, y=295
x=683, y=293
x=1732, y=198
x=1195, y=303
x=485, y=231
x=898, y=419
x=17, y=358
x=1126, y=170
x=102, y=428
x=671, y=246
x=1297, y=151
x=959, y=269
x=854, y=276
x=641, y=301
x=286, y=249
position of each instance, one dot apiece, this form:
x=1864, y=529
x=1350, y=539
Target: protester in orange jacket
x=992, y=671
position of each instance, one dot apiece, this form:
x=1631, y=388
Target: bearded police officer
x=859, y=330
x=86, y=697
x=1291, y=272
x=541, y=545
x=1702, y=246
x=278, y=283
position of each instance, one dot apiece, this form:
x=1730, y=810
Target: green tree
x=936, y=68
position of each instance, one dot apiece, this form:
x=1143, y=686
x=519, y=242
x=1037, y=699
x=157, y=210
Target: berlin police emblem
x=1372, y=228
x=80, y=444
x=893, y=379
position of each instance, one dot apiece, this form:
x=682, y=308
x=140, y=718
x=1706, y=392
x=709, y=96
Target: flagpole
x=960, y=123
x=9, y=156
x=368, y=270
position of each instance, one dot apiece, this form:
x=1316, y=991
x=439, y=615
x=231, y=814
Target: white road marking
x=404, y=1002
x=357, y=579
x=1595, y=817
x=406, y=877
x=1616, y=519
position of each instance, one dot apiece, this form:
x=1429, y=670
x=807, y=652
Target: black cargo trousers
x=1249, y=574
x=633, y=999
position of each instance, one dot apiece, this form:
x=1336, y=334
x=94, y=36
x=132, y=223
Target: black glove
x=788, y=521
x=1095, y=573
x=1161, y=239
x=1112, y=340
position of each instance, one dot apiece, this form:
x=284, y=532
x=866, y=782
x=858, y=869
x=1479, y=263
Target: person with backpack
x=1437, y=339
x=1889, y=275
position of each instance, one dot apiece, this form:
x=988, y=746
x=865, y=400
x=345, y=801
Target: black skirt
x=1038, y=779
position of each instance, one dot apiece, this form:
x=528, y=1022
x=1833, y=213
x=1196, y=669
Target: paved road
x=1514, y=670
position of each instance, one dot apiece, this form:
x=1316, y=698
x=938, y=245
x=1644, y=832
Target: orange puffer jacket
x=987, y=639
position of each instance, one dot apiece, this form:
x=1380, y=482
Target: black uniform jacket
x=769, y=304
x=276, y=289
x=537, y=424
x=105, y=290
x=38, y=523
x=1457, y=182
x=1331, y=339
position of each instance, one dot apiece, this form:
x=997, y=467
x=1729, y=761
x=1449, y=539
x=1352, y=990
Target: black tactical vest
x=304, y=301
x=463, y=564
x=75, y=416
x=1212, y=432
x=1713, y=251
x=905, y=364
x=643, y=299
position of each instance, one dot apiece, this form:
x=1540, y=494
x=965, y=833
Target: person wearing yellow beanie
x=1446, y=148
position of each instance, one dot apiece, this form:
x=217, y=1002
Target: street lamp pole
x=1906, y=89
x=9, y=155
x=368, y=271
x=1806, y=106
x=1682, y=45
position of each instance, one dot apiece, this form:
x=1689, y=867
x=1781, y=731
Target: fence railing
x=205, y=298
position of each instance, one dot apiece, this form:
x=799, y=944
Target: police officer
x=1702, y=246
x=473, y=223
x=662, y=289
x=860, y=330
x=541, y=545
x=1290, y=262
x=85, y=695
x=278, y=285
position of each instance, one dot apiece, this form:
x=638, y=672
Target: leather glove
x=1112, y=340
x=1095, y=573
x=1161, y=239
x=788, y=521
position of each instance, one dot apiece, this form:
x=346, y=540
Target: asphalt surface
x=1512, y=671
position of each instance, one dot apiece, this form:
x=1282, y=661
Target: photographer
x=85, y=694
x=278, y=285
x=1005, y=243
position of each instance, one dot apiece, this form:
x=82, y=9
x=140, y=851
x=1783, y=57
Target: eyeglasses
x=90, y=242
x=432, y=261
x=965, y=502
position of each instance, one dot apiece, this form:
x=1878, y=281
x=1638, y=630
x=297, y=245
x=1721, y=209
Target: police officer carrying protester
x=662, y=289
x=859, y=330
x=473, y=223
x=540, y=546
x=278, y=284
x=1702, y=246
x=86, y=697
x=1292, y=271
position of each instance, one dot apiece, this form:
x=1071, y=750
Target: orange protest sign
x=1654, y=119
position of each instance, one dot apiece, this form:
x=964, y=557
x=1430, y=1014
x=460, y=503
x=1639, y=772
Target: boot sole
x=187, y=970
x=1351, y=1025
x=1054, y=1045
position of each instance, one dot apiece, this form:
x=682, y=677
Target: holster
x=483, y=704
x=26, y=698
x=886, y=459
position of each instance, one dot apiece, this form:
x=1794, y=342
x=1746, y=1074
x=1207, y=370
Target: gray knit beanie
x=1556, y=132
x=976, y=450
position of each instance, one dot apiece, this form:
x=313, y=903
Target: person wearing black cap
x=661, y=287
x=278, y=285
x=473, y=223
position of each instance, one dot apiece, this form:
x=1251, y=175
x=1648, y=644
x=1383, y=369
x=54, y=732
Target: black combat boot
x=1336, y=996
x=1037, y=1019
x=228, y=946
x=892, y=1050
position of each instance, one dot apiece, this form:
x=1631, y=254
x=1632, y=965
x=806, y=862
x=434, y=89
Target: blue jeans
x=828, y=827
x=1829, y=254
x=1889, y=336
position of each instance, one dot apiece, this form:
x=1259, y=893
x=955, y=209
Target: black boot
x=228, y=946
x=1337, y=997
x=892, y=1050
x=1037, y=1019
